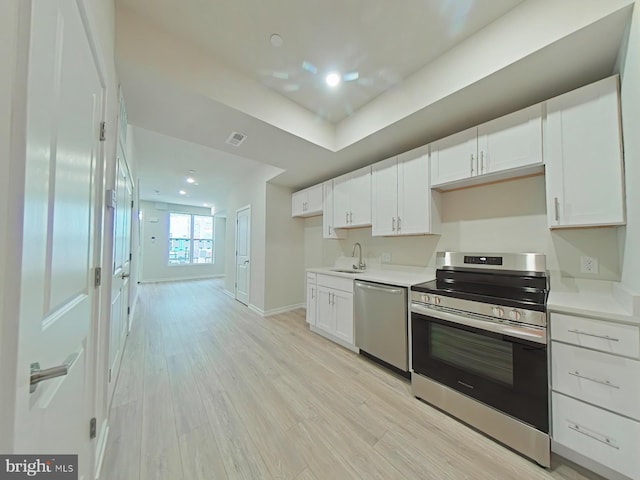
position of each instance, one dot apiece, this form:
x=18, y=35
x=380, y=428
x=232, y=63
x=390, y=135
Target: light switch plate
x=386, y=257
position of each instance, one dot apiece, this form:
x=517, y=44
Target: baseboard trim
x=275, y=311
x=101, y=447
x=229, y=293
x=179, y=279
x=334, y=339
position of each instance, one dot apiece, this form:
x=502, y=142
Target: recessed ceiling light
x=333, y=79
x=191, y=180
x=182, y=192
x=276, y=40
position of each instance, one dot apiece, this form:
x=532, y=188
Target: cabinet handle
x=329, y=230
x=601, y=382
x=556, y=206
x=350, y=217
x=393, y=224
x=606, y=337
x=329, y=298
x=606, y=440
x=471, y=164
x=346, y=217
x=333, y=299
x=398, y=223
x=313, y=294
x=482, y=161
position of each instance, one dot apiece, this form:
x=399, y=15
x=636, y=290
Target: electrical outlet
x=588, y=264
x=386, y=257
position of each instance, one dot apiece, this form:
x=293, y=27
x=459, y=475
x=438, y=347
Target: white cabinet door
x=512, y=141
x=312, y=298
x=343, y=312
x=314, y=200
x=360, y=198
x=414, y=195
x=328, y=230
x=583, y=157
x=384, y=197
x=298, y=201
x=325, y=318
x=341, y=187
x=454, y=157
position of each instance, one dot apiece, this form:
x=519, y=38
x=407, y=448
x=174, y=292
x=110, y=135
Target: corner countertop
x=604, y=300
x=401, y=277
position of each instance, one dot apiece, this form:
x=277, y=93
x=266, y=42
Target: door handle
x=38, y=375
x=246, y=262
x=125, y=275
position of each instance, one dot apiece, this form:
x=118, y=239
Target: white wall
x=630, y=102
x=155, y=245
x=502, y=217
x=284, y=251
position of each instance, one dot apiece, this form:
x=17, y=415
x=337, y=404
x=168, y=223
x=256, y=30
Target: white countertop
x=401, y=277
x=604, y=300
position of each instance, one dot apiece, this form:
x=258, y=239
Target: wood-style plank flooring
x=209, y=390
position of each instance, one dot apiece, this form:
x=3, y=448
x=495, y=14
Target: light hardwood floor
x=209, y=390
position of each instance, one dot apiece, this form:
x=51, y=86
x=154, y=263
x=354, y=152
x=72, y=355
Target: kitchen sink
x=346, y=271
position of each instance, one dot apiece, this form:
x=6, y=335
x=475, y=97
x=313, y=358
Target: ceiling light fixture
x=276, y=40
x=182, y=192
x=333, y=79
x=191, y=180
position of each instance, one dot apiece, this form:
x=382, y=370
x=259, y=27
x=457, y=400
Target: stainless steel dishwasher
x=380, y=313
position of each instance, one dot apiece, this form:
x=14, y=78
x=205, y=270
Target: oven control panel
x=496, y=311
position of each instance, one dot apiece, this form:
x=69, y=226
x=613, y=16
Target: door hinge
x=97, y=277
x=131, y=203
x=109, y=375
x=128, y=310
x=130, y=257
x=92, y=428
x=103, y=131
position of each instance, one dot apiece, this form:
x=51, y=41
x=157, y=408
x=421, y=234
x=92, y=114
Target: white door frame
x=247, y=208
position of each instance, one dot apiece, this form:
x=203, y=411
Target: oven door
x=484, y=360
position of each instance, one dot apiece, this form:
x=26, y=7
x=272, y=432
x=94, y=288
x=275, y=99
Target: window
x=190, y=239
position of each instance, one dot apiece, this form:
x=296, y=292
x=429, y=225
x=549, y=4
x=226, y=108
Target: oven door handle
x=533, y=334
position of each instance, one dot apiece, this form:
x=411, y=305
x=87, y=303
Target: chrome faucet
x=361, y=265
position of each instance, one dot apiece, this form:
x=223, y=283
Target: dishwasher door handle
x=377, y=288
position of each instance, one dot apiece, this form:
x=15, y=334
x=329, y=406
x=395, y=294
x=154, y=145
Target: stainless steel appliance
x=479, y=346
x=380, y=315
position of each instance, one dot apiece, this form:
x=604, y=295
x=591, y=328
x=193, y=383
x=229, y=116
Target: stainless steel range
x=479, y=346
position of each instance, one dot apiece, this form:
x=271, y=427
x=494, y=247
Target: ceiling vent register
x=236, y=139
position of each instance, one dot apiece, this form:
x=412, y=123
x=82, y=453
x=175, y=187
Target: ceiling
x=193, y=71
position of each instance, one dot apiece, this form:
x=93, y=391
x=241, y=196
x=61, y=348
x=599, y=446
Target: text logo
x=41, y=467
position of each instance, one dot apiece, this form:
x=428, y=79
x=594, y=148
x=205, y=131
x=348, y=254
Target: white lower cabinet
x=334, y=308
x=312, y=298
x=596, y=391
x=597, y=434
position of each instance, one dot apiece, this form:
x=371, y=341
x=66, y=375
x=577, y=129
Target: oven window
x=486, y=356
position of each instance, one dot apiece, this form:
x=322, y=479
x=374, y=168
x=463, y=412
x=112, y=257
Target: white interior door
x=243, y=254
x=64, y=110
x=119, y=319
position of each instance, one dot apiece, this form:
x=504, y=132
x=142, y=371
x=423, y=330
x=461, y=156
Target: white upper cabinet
x=352, y=199
x=401, y=199
x=307, y=202
x=583, y=157
x=506, y=147
x=454, y=157
x=512, y=141
x=328, y=229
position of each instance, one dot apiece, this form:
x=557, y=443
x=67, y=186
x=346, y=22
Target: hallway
x=209, y=390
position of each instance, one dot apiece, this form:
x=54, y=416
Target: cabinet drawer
x=606, y=380
x=605, y=437
x=338, y=283
x=600, y=335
